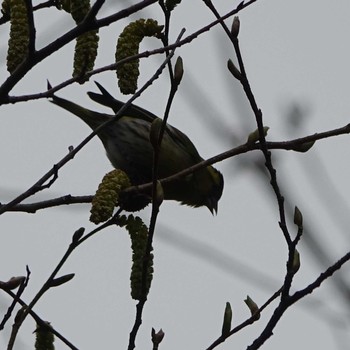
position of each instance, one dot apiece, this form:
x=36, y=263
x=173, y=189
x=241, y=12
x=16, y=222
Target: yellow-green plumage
x=128, y=148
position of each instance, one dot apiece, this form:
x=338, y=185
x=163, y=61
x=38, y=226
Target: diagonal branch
x=278, y=145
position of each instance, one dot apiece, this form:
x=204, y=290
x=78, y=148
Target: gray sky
x=296, y=55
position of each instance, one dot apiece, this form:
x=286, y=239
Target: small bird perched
x=128, y=147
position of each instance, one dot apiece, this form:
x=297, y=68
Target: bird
x=128, y=147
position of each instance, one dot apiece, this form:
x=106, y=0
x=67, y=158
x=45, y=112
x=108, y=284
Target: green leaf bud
x=253, y=307
x=154, y=133
x=255, y=136
x=226, y=324
x=296, y=261
x=178, y=70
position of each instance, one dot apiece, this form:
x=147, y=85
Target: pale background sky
x=296, y=54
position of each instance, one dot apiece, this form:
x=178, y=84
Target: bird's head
x=215, y=189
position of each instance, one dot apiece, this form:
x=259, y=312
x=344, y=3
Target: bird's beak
x=212, y=205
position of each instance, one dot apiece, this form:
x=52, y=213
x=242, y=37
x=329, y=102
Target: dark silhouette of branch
x=63, y=200
x=247, y=147
x=241, y=75
x=83, y=27
x=43, y=5
x=260, y=143
x=287, y=302
x=53, y=173
x=39, y=321
x=77, y=240
x=155, y=210
x=31, y=25
x=86, y=25
x=253, y=318
x=16, y=298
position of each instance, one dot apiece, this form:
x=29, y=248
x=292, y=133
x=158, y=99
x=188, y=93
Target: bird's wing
x=183, y=142
x=178, y=137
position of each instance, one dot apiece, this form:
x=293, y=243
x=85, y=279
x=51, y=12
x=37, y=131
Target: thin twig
x=155, y=210
x=52, y=174
x=43, y=5
x=47, y=285
x=39, y=321
x=80, y=29
x=277, y=145
x=247, y=322
x=31, y=25
x=283, y=306
x=16, y=298
x=86, y=25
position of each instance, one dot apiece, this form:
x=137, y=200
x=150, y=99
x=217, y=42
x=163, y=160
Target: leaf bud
x=178, y=70
x=78, y=234
x=304, y=147
x=159, y=193
x=61, y=280
x=255, y=136
x=157, y=337
x=298, y=217
x=235, y=26
x=226, y=324
x=154, y=133
x=253, y=307
x=12, y=283
x=234, y=70
x=296, y=261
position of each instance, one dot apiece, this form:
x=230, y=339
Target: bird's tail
x=91, y=118
x=106, y=99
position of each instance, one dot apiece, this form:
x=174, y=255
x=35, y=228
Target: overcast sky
x=297, y=58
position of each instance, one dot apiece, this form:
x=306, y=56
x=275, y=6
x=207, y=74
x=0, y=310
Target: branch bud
x=255, y=136
x=78, y=234
x=61, y=280
x=253, y=307
x=235, y=26
x=159, y=193
x=12, y=283
x=157, y=337
x=154, y=133
x=234, y=70
x=178, y=71
x=226, y=324
x=298, y=217
x=296, y=262
x=304, y=147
